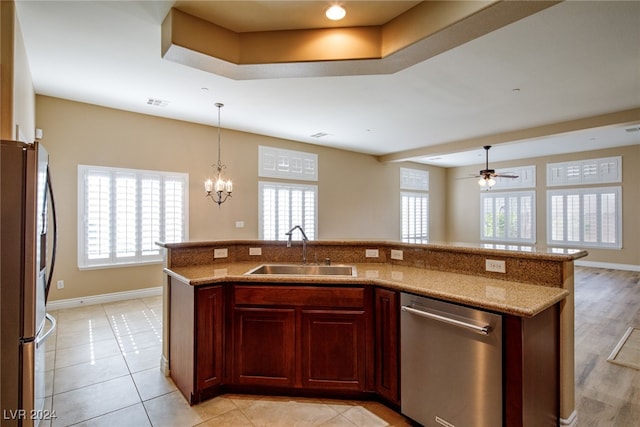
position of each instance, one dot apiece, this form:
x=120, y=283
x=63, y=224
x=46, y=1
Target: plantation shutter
x=283, y=206
x=97, y=220
x=415, y=217
x=123, y=213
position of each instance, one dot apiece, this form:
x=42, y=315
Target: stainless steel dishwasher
x=451, y=364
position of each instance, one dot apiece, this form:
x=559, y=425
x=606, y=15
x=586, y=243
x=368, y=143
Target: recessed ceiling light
x=335, y=12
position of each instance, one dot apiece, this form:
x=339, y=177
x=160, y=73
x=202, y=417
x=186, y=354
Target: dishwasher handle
x=485, y=330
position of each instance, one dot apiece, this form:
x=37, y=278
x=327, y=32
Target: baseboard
x=103, y=298
x=164, y=366
x=609, y=265
x=572, y=421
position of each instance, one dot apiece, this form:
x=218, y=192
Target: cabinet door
x=387, y=344
x=333, y=349
x=209, y=330
x=264, y=346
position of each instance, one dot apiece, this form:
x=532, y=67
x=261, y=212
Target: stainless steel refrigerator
x=27, y=254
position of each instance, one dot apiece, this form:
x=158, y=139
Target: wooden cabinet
x=310, y=337
x=387, y=333
x=209, y=329
x=333, y=349
x=196, y=345
x=264, y=346
x=336, y=340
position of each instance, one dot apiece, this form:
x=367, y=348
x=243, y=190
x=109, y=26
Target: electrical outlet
x=255, y=251
x=397, y=255
x=372, y=274
x=220, y=253
x=60, y=284
x=371, y=253
x=239, y=224
x=495, y=266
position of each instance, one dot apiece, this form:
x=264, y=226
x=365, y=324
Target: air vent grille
x=157, y=102
x=633, y=129
x=319, y=135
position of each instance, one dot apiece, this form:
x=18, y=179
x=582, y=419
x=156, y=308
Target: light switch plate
x=495, y=266
x=220, y=253
x=396, y=254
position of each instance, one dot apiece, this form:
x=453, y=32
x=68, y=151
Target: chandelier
x=220, y=190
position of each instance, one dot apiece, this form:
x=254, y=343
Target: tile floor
x=104, y=362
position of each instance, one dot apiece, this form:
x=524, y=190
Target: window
x=123, y=212
x=592, y=171
x=288, y=164
x=581, y=216
x=415, y=217
x=585, y=217
x=508, y=216
x=283, y=206
x=414, y=205
x=526, y=178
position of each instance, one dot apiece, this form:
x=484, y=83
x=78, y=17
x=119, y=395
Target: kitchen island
x=214, y=312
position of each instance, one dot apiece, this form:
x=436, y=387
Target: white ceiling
x=573, y=60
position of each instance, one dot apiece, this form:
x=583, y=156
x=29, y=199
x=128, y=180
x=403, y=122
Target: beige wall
x=17, y=99
x=358, y=196
x=463, y=206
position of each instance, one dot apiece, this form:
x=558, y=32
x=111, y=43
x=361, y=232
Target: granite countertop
x=520, y=299
x=531, y=252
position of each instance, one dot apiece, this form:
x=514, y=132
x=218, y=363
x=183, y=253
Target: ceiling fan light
x=491, y=182
x=482, y=182
x=335, y=12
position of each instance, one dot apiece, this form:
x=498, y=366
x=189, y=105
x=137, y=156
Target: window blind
x=508, y=216
x=283, y=206
x=414, y=217
x=288, y=164
x=580, y=172
x=122, y=213
x=588, y=217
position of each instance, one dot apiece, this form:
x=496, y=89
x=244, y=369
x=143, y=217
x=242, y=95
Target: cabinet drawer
x=308, y=296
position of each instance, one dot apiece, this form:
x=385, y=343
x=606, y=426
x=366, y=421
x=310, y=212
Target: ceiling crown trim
x=429, y=28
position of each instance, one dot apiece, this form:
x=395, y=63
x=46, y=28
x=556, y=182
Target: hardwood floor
x=607, y=302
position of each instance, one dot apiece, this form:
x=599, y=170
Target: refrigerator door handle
x=42, y=338
x=55, y=236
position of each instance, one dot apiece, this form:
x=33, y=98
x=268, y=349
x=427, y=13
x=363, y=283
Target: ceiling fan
x=487, y=175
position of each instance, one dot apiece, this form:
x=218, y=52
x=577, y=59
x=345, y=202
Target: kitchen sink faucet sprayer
x=304, y=241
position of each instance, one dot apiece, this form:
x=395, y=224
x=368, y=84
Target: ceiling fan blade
x=505, y=176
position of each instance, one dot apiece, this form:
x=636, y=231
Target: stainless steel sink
x=305, y=270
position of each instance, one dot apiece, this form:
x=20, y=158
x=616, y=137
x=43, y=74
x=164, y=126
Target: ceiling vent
x=319, y=135
x=157, y=102
x=633, y=129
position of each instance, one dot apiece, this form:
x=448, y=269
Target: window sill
x=119, y=265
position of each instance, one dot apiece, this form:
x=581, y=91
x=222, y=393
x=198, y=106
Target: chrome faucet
x=305, y=239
